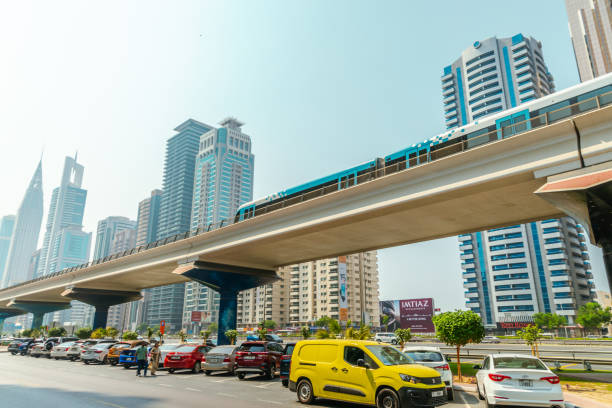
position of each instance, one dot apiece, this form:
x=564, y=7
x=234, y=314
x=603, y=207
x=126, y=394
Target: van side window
x=485, y=365
x=352, y=354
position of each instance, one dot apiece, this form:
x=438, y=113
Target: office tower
x=123, y=240
x=6, y=232
x=65, y=243
x=223, y=181
x=107, y=229
x=25, y=232
x=166, y=302
x=494, y=75
x=34, y=262
x=148, y=218
x=590, y=27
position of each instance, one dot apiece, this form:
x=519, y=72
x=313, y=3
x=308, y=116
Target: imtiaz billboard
x=413, y=314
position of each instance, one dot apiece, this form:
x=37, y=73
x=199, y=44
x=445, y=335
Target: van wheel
x=450, y=395
x=387, y=398
x=241, y=376
x=304, y=392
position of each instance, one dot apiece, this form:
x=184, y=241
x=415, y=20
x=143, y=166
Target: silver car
x=61, y=350
x=220, y=358
x=164, y=350
x=97, y=353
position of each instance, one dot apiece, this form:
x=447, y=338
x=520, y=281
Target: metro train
x=533, y=114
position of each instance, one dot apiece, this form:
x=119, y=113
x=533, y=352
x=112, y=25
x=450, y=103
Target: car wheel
x=197, y=367
x=387, y=398
x=393, y=341
x=207, y=372
x=171, y=370
x=126, y=366
x=13, y=353
x=105, y=360
x=57, y=358
x=270, y=373
x=480, y=397
x=450, y=395
x=113, y=363
x=241, y=376
x=86, y=362
x=304, y=392
x=285, y=383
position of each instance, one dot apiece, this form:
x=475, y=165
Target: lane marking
x=465, y=404
x=226, y=395
x=166, y=385
x=193, y=389
x=264, y=385
x=568, y=365
x=225, y=380
x=269, y=401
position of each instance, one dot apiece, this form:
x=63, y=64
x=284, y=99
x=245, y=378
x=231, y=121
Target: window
x=353, y=354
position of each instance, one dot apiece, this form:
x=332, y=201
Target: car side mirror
x=361, y=363
x=477, y=367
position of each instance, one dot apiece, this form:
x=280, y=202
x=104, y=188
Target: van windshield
x=390, y=355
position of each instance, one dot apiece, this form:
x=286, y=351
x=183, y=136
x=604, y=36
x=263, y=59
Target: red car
x=258, y=357
x=186, y=357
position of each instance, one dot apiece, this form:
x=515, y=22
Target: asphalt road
x=27, y=382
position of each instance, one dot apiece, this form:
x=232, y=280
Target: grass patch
x=581, y=371
x=467, y=369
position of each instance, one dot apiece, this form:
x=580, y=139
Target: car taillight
x=499, y=377
x=286, y=358
x=98, y=351
x=552, y=380
x=444, y=367
x=226, y=360
x=67, y=349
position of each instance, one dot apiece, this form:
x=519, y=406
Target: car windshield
x=390, y=355
x=222, y=350
x=186, y=348
x=100, y=346
x=256, y=348
x=518, y=362
x=424, y=355
x=168, y=347
x=68, y=344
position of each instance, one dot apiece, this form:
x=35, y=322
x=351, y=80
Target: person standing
x=141, y=358
x=155, y=355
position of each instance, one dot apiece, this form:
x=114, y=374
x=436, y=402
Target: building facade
x=590, y=27
x=7, y=224
x=223, y=181
x=605, y=300
x=25, y=232
x=148, y=218
x=106, y=233
x=513, y=272
x=494, y=75
x=166, y=302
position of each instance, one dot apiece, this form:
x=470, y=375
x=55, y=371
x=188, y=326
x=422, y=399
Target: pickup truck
x=258, y=357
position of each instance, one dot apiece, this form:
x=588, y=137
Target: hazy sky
x=321, y=86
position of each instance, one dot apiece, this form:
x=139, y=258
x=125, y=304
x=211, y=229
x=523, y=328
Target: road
x=27, y=382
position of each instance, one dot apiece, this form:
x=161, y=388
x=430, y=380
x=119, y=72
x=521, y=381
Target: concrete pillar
x=6, y=312
x=228, y=309
x=37, y=320
x=38, y=309
x=100, y=316
x=101, y=299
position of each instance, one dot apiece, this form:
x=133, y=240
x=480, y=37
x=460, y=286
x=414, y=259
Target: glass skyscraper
x=223, y=181
x=26, y=232
x=7, y=225
x=513, y=272
x=107, y=230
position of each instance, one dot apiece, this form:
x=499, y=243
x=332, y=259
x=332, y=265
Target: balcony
x=468, y=264
x=468, y=285
x=465, y=257
x=518, y=71
x=466, y=247
x=466, y=237
x=449, y=97
x=468, y=275
x=471, y=294
x=448, y=92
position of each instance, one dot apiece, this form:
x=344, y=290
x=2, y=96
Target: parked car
x=13, y=346
x=164, y=349
x=221, y=358
x=127, y=357
x=258, y=357
x=38, y=349
x=50, y=343
x=285, y=363
x=490, y=339
x=516, y=379
x=97, y=353
x=115, y=350
x=186, y=357
x=386, y=337
x=433, y=357
x=25, y=348
x=274, y=337
x=61, y=350
x=365, y=372
x=80, y=346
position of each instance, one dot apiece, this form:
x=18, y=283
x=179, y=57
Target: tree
x=323, y=322
x=112, y=332
x=182, y=335
x=141, y=328
x=322, y=334
x=363, y=333
x=83, y=333
x=36, y=333
x=205, y=334
x=99, y=333
x=457, y=329
x=57, y=332
x=385, y=322
x=334, y=328
x=213, y=327
x=261, y=332
x=231, y=336
x=551, y=321
x=269, y=324
x=531, y=334
x=305, y=332
x=150, y=333
x=26, y=333
x=130, y=335
x=592, y=316
x=403, y=336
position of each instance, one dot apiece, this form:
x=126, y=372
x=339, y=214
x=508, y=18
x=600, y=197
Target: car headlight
x=410, y=379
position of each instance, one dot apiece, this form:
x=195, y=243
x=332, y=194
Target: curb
x=464, y=387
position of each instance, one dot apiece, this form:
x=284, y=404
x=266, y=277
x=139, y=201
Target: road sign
x=162, y=327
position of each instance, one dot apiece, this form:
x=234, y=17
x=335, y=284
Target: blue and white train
x=533, y=114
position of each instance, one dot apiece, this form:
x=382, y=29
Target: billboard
x=413, y=314
x=343, y=301
x=196, y=316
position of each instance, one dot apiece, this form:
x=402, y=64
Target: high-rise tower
x=107, y=230
x=7, y=225
x=26, y=231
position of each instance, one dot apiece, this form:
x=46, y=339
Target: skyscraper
x=148, y=218
x=513, y=272
x=223, y=181
x=494, y=75
x=107, y=230
x=7, y=225
x=26, y=231
x=166, y=302
x=590, y=27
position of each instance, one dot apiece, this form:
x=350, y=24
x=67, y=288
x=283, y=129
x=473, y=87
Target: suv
x=258, y=357
x=365, y=372
x=386, y=337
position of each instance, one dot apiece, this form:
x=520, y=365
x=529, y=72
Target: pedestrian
x=141, y=358
x=155, y=355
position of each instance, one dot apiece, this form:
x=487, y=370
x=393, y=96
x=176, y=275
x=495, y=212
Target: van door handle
x=334, y=369
x=345, y=370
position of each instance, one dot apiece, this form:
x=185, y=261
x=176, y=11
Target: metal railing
x=460, y=146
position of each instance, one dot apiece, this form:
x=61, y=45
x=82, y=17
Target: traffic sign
x=162, y=327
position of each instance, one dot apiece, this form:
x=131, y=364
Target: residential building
x=25, y=232
x=590, y=27
x=65, y=243
x=7, y=225
x=223, y=181
x=148, y=218
x=107, y=230
x=166, y=302
x=494, y=75
x=267, y=302
x=605, y=300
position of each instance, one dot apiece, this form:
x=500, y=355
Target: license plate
x=249, y=357
x=437, y=393
x=526, y=383
x=175, y=358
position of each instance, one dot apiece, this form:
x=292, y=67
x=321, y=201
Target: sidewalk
x=575, y=401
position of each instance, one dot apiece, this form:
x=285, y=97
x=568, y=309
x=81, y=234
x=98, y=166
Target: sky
x=321, y=87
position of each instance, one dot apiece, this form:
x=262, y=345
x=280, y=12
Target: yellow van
x=364, y=372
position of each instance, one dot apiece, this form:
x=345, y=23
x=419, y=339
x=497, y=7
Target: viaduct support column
x=101, y=299
x=6, y=312
x=39, y=309
x=228, y=280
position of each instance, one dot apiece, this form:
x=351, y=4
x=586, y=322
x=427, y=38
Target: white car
x=61, y=350
x=517, y=379
x=433, y=357
x=386, y=337
x=97, y=353
x=491, y=339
